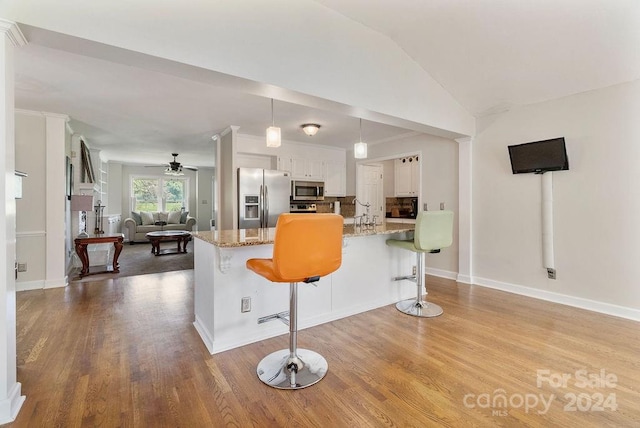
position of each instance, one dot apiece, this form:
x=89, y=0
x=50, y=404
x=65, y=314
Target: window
x=159, y=194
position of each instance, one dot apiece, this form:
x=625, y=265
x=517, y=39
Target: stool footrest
x=282, y=316
x=412, y=278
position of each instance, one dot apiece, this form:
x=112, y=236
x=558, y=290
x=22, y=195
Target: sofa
x=140, y=223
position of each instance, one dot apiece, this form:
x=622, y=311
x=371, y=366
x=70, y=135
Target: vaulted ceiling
x=490, y=55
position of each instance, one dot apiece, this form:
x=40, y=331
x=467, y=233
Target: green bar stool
x=434, y=231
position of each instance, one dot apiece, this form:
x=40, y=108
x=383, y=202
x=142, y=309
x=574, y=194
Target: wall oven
x=307, y=190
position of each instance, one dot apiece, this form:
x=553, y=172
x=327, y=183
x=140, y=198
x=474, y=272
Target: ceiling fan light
x=310, y=129
x=360, y=150
x=273, y=136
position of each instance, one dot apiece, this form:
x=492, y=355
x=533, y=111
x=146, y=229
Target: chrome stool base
x=419, y=308
x=278, y=369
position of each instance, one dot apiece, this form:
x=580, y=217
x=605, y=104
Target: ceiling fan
x=175, y=167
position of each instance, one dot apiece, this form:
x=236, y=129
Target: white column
x=10, y=390
x=465, y=208
x=55, y=269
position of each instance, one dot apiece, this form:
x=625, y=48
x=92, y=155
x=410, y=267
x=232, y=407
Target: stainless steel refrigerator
x=262, y=196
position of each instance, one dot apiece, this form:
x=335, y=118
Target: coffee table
x=168, y=235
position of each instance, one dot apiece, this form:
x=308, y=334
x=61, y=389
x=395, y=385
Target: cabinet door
x=298, y=168
x=315, y=169
x=284, y=163
x=402, y=173
x=307, y=169
x=415, y=175
x=335, y=178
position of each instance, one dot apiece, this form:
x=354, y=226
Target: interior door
x=369, y=177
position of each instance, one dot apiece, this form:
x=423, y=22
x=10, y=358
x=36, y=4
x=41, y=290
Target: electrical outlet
x=424, y=207
x=22, y=267
x=414, y=270
x=551, y=273
x=246, y=304
x=441, y=206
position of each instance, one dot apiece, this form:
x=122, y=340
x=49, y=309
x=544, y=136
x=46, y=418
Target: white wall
x=203, y=213
x=42, y=215
x=226, y=171
x=596, y=202
x=253, y=145
x=388, y=172
x=439, y=184
x=30, y=212
x=115, y=187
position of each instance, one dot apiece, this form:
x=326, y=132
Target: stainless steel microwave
x=307, y=190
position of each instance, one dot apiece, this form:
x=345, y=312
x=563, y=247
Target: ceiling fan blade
x=192, y=168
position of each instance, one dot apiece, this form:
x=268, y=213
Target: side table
x=81, y=251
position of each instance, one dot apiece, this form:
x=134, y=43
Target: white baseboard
x=578, y=302
x=204, y=334
x=30, y=285
x=442, y=273
x=465, y=279
x=55, y=283
x=10, y=406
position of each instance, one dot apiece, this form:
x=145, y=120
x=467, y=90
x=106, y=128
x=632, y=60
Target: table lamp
x=82, y=203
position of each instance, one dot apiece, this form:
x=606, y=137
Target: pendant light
x=273, y=132
x=360, y=148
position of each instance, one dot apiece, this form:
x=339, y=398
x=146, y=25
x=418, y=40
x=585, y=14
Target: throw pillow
x=174, y=217
x=136, y=217
x=163, y=216
x=147, y=218
x=183, y=217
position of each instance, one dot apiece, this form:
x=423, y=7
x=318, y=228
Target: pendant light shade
x=360, y=148
x=273, y=132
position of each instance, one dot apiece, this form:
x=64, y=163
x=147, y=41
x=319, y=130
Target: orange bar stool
x=434, y=231
x=306, y=247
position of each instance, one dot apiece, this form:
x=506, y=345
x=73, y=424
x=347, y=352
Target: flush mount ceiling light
x=310, y=129
x=273, y=132
x=360, y=148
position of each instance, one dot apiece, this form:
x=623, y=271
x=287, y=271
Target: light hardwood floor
x=123, y=352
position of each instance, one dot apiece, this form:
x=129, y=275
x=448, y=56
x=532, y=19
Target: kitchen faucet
x=369, y=221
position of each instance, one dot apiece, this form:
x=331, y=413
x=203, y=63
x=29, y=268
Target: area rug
x=137, y=259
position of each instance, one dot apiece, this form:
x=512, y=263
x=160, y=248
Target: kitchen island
x=363, y=282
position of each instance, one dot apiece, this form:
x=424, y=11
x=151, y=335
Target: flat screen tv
x=539, y=156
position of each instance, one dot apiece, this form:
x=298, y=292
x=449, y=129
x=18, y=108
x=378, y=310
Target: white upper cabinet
x=284, y=163
x=407, y=176
x=307, y=169
x=335, y=178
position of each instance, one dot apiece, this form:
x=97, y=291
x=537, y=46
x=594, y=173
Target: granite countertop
x=248, y=237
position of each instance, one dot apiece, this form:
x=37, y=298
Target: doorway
x=369, y=179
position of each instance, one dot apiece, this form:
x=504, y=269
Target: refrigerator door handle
x=266, y=206
x=261, y=205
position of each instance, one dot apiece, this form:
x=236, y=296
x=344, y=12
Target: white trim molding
x=465, y=210
x=29, y=285
x=13, y=32
x=563, y=299
x=10, y=406
x=441, y=273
